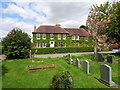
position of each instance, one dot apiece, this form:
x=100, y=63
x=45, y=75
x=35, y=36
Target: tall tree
x=16, y=44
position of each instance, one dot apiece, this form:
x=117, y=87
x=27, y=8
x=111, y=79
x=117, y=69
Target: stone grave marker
x=109, y=59
x=70, y=59
x=100, y=57
x=86, y=66
x=77, y=62
x=106, y=75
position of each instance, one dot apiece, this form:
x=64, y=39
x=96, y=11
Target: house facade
x=56, y=36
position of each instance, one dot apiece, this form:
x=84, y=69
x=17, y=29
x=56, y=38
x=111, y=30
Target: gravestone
x=106, y=75
x=77, y=62
x=109, y=59
x=70, y=59
x=86, y=66
x=100, y=57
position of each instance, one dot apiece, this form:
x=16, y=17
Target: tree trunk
x=95, y=48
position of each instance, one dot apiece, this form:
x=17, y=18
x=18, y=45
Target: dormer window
x=51, y=36
x=38, y=36
x=64, y=36
x=59, y=36
x=77, y=37
x=44, y=36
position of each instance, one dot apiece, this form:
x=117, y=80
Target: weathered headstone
x=106, y=75
x=70, y=59
x=77, y=62
x=109, y=59
x=100, y=57
x=86, y=66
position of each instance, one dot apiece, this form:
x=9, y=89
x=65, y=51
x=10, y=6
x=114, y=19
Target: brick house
x=56, y=36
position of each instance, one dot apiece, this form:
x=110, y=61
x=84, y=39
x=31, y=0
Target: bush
x=62, y=50
x=62, y=80
x=16, y=44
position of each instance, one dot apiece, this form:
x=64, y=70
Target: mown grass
x=15, y=73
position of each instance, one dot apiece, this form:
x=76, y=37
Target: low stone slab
x=45, y=66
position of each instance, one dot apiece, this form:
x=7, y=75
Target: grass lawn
x=15, y=73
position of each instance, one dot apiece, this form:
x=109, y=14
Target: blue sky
x=24, y=14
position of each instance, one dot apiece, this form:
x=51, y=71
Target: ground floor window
x=43, y=44
x=64, y=44
x=38, y=44
x=77, y=44
x=59, y=44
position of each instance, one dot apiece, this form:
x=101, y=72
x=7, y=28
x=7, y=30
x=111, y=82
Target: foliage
x=62, y=80
x=62, y=50
x=16, y=44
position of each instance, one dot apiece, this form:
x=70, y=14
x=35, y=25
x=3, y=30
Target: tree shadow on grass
x=4, y=70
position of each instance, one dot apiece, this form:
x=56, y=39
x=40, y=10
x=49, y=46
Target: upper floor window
x=77, y=37
x=38, y=36
x=64, y=36
x=59, y=36
x=44, y=36
x=51, y=36
x=73, y=37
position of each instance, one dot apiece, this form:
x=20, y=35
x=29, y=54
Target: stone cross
x=86, y=66
x=100, y=57
x=109, y=59
x=106, y=74
x=77, y=62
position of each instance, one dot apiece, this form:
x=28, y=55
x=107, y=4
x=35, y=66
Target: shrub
x=62, y=80
x=16, y=44
x=62, y=50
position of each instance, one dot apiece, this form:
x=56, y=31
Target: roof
x=77, y=31
x=58, y=30
x=51, y=29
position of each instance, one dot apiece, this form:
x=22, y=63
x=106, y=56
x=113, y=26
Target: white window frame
x=64, y=36
x=51, y=36
x=77, y=37
x=38, y=36
x=44, y=36
x=38, y=44
x=59, y=36
x=73, y=37
x=43, y=44
x=64, y=44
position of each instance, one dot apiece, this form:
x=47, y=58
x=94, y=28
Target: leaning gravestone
x=70, y=59
x=109, y=59
x=100, y=57
x=106, y=75
x=86, y=66
x=77, y=62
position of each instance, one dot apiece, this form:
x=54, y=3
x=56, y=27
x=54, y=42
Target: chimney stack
x=58, y=25
x=34, y=28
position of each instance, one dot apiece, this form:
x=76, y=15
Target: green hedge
x=62, y=50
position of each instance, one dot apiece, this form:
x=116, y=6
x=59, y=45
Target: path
x=63, y=54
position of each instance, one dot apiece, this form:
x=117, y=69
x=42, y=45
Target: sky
x=24, y=14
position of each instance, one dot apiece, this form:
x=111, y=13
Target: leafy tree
x=16, y=44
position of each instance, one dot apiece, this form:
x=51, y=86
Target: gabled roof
x=50, y=29
x=77, y=31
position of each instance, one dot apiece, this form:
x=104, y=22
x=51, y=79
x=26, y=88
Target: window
x=73, y=37
x=86, y=38
x=64, y=36
x=38, y=36
x=86, y=44
x=38, y=44
x=44, y=36
x=59, y=44
x=73, y=44
x=59, y=36
x=43, y=44
x=77, y=44
x=77, y=37
x=64, y=44
x=51, y=36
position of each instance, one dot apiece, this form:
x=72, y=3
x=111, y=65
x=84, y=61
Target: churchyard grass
x=15, y=73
